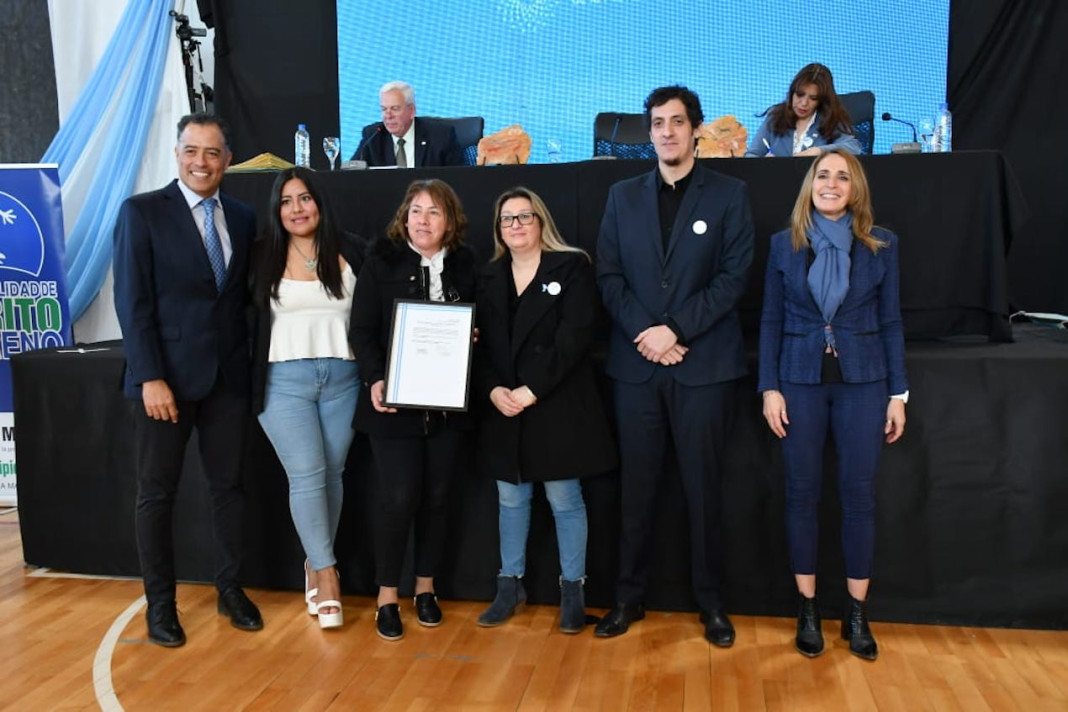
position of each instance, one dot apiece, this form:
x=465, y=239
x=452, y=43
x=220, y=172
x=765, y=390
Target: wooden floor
x=54, y=634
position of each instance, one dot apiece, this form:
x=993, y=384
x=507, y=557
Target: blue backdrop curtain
x=118, y=102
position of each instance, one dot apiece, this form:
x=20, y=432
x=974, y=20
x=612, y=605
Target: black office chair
x=622, y=136
x=468, y=133
x=861, y=108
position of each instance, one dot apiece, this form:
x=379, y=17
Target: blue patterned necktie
x=213, y=243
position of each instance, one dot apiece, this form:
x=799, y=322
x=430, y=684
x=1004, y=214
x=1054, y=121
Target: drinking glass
x=926, y=134
x=332, y=147
x=555, y=150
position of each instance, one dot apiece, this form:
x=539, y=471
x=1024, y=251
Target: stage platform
x=971, y=503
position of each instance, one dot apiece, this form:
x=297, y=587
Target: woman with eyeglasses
x=423, y=257
x=810, y=120
x=536, y=310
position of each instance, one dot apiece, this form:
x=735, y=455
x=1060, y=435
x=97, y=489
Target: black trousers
x=220, y=420
x=414, y=476
x=696, y=419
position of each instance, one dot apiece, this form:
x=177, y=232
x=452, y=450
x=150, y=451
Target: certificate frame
x=430, y=335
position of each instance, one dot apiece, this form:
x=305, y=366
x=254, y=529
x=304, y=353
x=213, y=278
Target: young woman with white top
x=304, y=374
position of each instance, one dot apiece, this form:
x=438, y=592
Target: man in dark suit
x=181, y=265
x=403, y=140
x=672, y=257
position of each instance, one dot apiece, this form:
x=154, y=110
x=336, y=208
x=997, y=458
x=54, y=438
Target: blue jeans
x=569, y=511
x=307, y=416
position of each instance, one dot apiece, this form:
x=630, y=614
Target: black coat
x=566, y=433
x=390, y=272
x=350, y=248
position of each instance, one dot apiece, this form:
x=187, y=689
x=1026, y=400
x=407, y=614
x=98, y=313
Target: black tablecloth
x=970, y=505
x=955, y=214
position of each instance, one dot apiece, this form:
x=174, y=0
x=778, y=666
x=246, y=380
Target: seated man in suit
x=403, y=140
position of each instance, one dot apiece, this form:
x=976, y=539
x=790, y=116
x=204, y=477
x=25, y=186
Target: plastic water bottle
x=942, y=141
x=302, y=146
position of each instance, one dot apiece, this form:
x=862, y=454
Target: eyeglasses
x=523, y=218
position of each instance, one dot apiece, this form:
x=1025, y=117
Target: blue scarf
x=828, y=277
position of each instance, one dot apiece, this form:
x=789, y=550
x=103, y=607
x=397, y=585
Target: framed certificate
x=430, y=355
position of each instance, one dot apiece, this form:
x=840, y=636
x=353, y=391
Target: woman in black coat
x=415, y=450
x=536, y=310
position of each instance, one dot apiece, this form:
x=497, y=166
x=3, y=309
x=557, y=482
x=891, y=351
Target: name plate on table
x=430, y=355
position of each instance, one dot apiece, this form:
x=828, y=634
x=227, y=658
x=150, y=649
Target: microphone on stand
x=615, y=130
x=355, y=161
x=611, y=141
x=913, y=147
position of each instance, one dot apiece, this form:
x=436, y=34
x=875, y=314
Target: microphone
x=615, y=130
x=611, y=155
x=913, y=147
x=355, y=161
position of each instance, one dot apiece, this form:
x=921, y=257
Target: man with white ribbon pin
x=672, y=259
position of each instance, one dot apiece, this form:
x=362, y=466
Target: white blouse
x=308, y=322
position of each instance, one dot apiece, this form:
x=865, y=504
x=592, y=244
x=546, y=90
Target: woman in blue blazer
x=832, y=354
x=810, y=120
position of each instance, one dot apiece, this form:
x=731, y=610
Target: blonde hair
x=859, y=204
x=551, y=240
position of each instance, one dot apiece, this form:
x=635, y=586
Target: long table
x=954, y=213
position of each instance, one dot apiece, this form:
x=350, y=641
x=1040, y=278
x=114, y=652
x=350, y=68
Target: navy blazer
x=435, y=145
x=566, y=433
x=176, y=324
x=696, y=282
x=867, y=328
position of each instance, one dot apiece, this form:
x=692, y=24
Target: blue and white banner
x=33, y=291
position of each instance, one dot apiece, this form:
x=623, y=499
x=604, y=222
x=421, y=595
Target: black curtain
x=29, y=111
x=1006, y=88
x=275, y=67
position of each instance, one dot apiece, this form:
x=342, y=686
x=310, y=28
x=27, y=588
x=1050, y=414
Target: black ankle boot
x=809, y=641
x=572, y=606
x=510, y=598
x=855, y=629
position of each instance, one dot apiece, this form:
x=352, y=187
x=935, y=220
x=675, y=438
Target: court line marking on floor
x=102, y=686
x=49, y=573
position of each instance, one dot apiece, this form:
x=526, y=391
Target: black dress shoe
x=427, y=610
x=163, y=626
x=619, y=619
x=388, y=622
x=242, y=612
x=718, y=628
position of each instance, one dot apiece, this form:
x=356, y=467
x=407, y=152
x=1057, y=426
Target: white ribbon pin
x=700, y=227
x=552, y=288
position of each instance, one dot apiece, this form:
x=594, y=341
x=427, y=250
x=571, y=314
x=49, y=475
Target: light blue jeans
x=307, y=416
x=569, y=511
